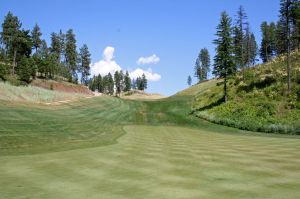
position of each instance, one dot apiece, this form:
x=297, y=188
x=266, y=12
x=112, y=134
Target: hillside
x=141, y=95
x=42, y=91
x=257, y=99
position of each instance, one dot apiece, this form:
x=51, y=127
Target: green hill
x=257, y=99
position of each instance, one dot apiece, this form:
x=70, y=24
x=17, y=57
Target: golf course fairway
x=105, y=147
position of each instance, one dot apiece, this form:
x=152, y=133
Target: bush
x=26, y=69
x=4, y=71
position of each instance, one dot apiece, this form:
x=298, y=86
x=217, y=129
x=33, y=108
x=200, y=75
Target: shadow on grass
x=209, y=106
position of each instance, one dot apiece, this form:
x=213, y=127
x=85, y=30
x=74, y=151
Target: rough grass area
x=160, y=162
x=34, y=94
x=258, y=99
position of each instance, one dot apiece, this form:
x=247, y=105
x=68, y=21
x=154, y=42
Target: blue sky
x=173, y=30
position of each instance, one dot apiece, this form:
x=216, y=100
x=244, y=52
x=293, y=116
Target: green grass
x=160, y=162
x=33, y=94
x=106, y=147
x=258, y=99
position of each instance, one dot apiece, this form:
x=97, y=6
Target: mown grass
x=160, y=162
x=106, y=147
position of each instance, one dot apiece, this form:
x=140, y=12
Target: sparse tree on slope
x=205, y=63
x=268, y=43
x=10, y=36
x=127, y=81
x=287, y=22
x=223, y=61
x=71, y=53
x=202, y=65
x=117, y=79
x=36, y=37
x=144, y=82
x=85, y=61
x=110, y=84
x=189, y=80
x=239, y=32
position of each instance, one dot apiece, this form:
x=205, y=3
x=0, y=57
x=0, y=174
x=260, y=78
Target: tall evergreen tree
x=189, y=80
x=55, y=48
x=296, y=23
x=127, y=82
x=61, y=37
x=239, y=33
x=197, y=68
x=10, y=36
x=205, y=63
x=268, y=43
x=144, y=82
x=287, y=22
x=110, y=84
x=71, y=53
x=202, y=65
x=250, y=48
x=36, y=37
x=85, y=61
x=117, y=78
x=223, y=61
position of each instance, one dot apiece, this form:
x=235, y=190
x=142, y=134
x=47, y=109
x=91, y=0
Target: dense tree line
x=25, y=55
x=117, y=83
x=237, y=49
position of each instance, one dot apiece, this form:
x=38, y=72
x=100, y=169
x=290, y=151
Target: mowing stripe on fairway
x=160, y=162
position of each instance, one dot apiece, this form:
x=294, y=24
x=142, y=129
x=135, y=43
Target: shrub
x=4, y=71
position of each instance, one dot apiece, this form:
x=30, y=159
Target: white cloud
x=153, y=59
x=148, y=73
x=107, y=64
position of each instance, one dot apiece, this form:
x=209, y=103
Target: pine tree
x=122, y=82
x=189, y=80
x=36, y=37
x=268, y=43
x=144, y=82
x=10, y=36
x=197, y=68
x=55, y=48
x=85, y=61
x=71, y=53
x=250, y=48
x=139, y=83
x=127, y=81
x=205, y=63
x=239, y=33
x=287, y=22
x=117, y=79
x=110, y=84
x=223, y=61
x=296, y=23
x=99, y=84
x=61, y=38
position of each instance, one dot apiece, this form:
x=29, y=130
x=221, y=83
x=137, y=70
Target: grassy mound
x=257, y=99
x=34, y=94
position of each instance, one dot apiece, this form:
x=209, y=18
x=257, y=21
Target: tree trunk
x=225, y=89
x=288, y=31
x=14, y=61
x=289, y=69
